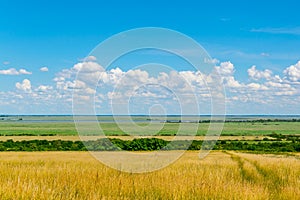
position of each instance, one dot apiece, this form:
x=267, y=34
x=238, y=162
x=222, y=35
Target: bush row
x=147, y=144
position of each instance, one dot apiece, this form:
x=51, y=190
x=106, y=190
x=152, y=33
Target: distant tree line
x=235, y=121
x=150, y=144
x=28, y=134
x=251, y=120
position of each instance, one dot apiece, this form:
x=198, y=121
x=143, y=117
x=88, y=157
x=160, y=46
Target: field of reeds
x=221, y=175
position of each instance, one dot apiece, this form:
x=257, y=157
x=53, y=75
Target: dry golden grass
x=77, y=175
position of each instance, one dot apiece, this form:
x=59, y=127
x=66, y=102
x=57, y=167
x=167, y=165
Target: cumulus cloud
x=256, y=74
x=225, y=68
x=90, y=58
x=24, y=86
x=13, y=71
x=231, y=82
x=44, y=88
x=88, y=67
x=24, y=71
x=257, y=86
x=88, y=81
x=184, y=82
x=44, y=69
x=226, y=71
x=121, y=86
x=293, y=72
x=86, y=74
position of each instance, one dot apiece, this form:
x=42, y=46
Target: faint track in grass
x=263, y=176
x=246, y=176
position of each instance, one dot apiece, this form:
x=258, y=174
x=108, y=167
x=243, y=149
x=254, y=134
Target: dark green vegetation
x=280, y=143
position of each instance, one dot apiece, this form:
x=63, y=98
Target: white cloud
x=143, y=88
x=24, y=71
x=88, y=67
x=90, y=58
x=225, y=68
x=293, y=72
x=285, y=93
x=44, y=88
x=264, y=54
x=134, y=78
x=231, y=82
x=90, y=91
x=226, y=71
x=44, y=69
x=25, y=85
x=114, y=95
x=72, y=85
x=256, y=74
x=113, y=76
x=13, y=71
x=257, y=86
x=193, y=77
x=278, y=85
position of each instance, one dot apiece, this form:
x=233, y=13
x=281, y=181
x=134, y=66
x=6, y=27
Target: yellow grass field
x=221, y=175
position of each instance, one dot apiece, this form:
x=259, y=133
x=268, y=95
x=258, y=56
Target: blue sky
x=57, y=35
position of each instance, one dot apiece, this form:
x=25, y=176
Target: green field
x=167, y=129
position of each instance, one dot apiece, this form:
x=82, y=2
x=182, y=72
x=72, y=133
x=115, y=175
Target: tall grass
x=77, y=175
